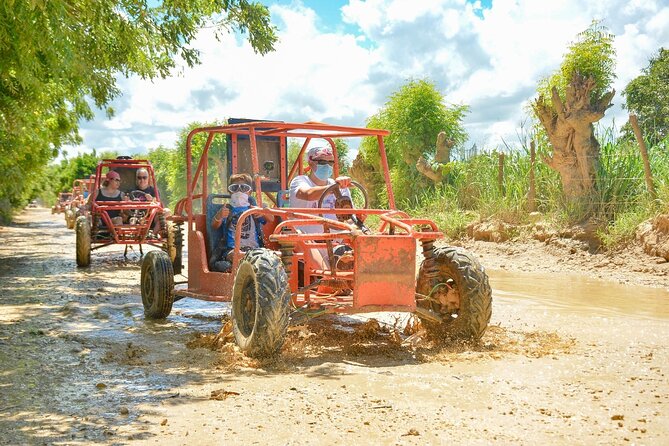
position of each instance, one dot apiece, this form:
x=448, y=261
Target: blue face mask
x=323, y=172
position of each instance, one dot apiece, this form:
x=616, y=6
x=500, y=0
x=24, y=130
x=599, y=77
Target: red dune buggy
x=129, y=221
x=449, y=291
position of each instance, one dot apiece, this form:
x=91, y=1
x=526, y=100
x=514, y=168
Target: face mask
x=323, y=172
x=238, y=199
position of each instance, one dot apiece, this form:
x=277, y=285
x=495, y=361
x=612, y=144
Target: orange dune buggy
x=80, y=190
x=98, y=228
x=63, y=198
x=449, y=291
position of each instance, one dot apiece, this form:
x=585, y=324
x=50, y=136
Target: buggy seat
x=214, y=203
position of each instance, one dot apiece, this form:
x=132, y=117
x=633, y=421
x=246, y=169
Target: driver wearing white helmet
x=306, y=190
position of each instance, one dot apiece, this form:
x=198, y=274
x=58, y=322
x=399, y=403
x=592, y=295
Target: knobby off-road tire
x=173, y=246
x=461, y=269
x=260, y=304
x=83, y=234
x=157, y=285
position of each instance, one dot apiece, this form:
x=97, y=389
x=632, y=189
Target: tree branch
x=444, y=146
x=558, y=105
x=424, y=168
x=549, y=161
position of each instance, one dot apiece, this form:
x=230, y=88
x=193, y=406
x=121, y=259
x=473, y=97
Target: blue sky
x=339, y=60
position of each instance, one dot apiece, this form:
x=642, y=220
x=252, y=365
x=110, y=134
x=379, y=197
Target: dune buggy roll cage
x=126, y=234
x=384, y=274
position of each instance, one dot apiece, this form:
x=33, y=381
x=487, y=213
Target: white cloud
x=492, y=61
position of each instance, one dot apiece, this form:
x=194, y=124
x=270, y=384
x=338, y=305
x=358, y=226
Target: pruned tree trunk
x=444, y=146
x=570, y=130
x=442, y=156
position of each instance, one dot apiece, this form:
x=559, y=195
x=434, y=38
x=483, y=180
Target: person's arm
x=305, y=192
x=150, y=195
x=221, y=215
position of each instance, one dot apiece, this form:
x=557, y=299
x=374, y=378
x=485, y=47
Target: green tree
x=162, y=160
x=294, y=148
x=569, y=102
x=648, y=97
x=79, y=167
x=415, y=115
x=217, y=173
x=57, y=55
x=343, y=154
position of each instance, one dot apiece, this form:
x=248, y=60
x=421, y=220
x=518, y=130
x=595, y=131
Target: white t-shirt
x=328, y=202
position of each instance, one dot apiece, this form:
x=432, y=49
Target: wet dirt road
x=566, y=360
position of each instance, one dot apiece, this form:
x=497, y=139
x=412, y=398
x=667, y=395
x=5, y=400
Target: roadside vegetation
x=565, y=168
x=60, y=56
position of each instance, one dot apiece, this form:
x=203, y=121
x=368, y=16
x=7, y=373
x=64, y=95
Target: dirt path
x=567, y=359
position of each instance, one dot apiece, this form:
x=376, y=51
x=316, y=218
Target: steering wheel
x=342, y=201
x=137, y=195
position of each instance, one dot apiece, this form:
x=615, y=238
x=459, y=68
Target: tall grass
x=620, y=204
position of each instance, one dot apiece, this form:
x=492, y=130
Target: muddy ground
x=568, y=358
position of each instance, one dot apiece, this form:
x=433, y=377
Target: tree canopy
x=59, y=57
x=648, y=97
x=591, y=55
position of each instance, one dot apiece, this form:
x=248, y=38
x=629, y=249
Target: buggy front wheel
x=157, y=285
x=83, y=234
x=260, y=304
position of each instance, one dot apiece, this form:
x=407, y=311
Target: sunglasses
x=236, y=187
x=324, y=162
x=142, y=178
x=116, y=179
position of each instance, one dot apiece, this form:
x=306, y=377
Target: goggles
x=237, y=187
x=324, y=162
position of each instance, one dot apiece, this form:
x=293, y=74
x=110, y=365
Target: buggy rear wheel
x=260, y=304
x=83, y=233
x=459, y=292
x=157, y=285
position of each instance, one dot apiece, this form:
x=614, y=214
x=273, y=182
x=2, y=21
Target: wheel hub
x=448, y=297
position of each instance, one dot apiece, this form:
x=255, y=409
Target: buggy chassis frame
x=126, y=234
x=384, y=273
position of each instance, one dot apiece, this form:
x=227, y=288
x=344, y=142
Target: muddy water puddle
x=580, y=296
